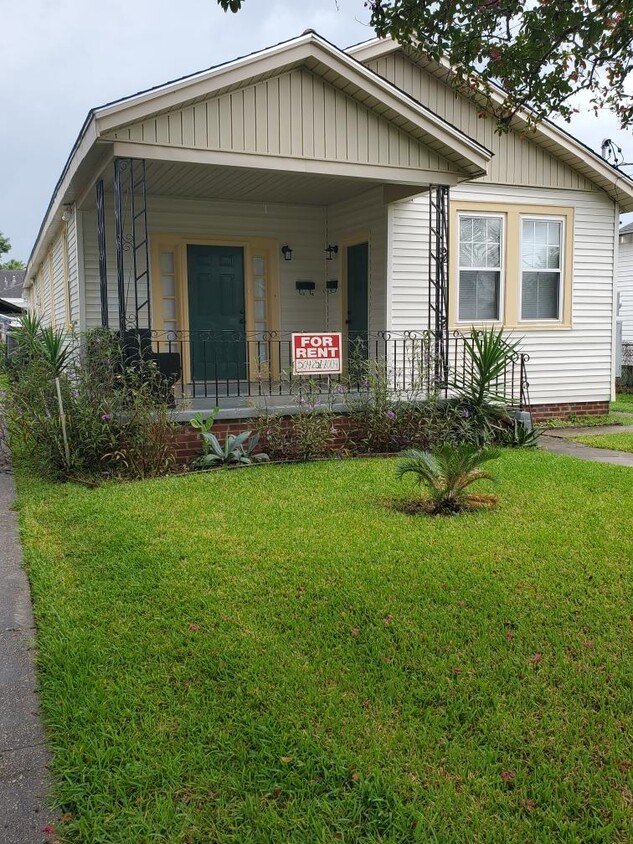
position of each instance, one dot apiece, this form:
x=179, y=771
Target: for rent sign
x=316, y=354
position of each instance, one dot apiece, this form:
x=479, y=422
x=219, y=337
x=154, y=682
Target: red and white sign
x=317, y=354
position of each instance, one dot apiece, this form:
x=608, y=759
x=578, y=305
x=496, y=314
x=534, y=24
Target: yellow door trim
x=252, y=246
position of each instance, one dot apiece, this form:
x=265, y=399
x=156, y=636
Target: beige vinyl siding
x=301, y=227
x=296, y=115
x=73, y=267
x=516, y=160
x=408, y=247
x=59, y=280
x=625, y=286
x=366, y=214
x=566, y=364
x=44, y=292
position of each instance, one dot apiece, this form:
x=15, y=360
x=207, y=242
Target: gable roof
x=310, y=51
x=546, y=134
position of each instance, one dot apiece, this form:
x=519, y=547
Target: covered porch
x=216, y=286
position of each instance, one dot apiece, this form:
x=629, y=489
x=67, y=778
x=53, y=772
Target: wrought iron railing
x=234, y=367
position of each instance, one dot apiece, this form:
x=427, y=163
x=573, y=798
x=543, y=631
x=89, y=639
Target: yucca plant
x=481, y=386
x=447, y=472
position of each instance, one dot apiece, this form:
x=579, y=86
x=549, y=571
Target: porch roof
x=413, y=146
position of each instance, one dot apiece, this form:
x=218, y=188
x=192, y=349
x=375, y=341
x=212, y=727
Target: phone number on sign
x=304, y=367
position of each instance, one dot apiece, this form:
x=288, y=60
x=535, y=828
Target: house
x=625, y=282
x=12, y=303
x=306, y=189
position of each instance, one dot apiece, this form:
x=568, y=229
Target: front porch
x=214, y=289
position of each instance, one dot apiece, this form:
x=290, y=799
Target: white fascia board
x=373, y=173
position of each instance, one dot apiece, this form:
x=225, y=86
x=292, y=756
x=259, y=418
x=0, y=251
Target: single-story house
x=306, y=188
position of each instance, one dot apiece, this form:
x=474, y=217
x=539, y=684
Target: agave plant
x=237, y=451
x=447, y=472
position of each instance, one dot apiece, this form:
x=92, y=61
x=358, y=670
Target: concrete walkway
x=558, y=441
x=24, y=781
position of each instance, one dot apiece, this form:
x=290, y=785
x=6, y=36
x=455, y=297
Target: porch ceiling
x=206, y=181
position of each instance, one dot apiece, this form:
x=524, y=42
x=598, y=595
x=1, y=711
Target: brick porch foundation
x=187, y=439
x=562, y=410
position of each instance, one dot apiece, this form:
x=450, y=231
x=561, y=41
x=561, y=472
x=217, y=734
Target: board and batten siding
x=566, y=364
x=296, y=114
x=516, y=160
x=625, y=286
x=302, y=227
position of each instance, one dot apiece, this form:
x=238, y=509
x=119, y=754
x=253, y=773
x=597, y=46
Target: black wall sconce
x=304, y=287
x=330, y=252
x=286, y=251
x=332, y=285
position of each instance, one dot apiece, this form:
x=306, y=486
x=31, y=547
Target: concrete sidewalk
x=559, y=441
x=24, y=781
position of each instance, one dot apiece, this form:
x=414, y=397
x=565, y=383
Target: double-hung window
x=480, y=266
x=541, y=268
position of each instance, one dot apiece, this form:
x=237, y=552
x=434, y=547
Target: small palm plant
x=447, y=472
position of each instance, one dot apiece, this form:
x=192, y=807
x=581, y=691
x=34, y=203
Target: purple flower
x=106, y=417
x=390, y=414
x=339, y=388
x=465, y=412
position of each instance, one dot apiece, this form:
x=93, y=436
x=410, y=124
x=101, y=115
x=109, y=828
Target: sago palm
x=447, y=472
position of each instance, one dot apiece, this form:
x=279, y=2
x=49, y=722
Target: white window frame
x=496, y=215
x=544, y=218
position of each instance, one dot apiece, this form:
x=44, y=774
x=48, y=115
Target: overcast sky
x=62, y=57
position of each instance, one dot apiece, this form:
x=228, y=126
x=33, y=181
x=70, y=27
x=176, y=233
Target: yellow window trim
x=253, y=246
x=511, y=262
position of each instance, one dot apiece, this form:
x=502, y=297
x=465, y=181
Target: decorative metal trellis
x=438, y=276
x=132, y=246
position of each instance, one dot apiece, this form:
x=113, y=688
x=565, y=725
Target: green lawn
x=623, y=403
x=589, y=421
x=617, y=442
x=273, y=655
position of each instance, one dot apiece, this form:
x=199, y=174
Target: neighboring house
x=208, y=208
x=625, y=282
x=12, y=283
x=12, y=303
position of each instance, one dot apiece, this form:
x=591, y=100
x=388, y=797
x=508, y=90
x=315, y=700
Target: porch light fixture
x=332, y=285
x=331, y=251
x=304, y=287
x=286, y=251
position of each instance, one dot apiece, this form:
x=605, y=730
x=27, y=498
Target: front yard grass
x=623, y=403
x=617, y=442
x=272, y=655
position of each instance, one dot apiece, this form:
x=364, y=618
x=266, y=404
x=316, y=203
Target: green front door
x=358, y=299
x=216, y=312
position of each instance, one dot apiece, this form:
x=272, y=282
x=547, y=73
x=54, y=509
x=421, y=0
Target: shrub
x=307, y=434
x=447, y=472
x=84, y=409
